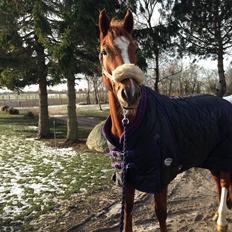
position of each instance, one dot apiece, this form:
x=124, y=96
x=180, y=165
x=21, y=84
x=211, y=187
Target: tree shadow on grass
x=16, y=120
x=58, y=127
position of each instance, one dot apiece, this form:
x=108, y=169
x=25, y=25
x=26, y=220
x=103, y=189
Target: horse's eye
x=103, y=52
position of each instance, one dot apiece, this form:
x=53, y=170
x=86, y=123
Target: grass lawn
x=58, y=113
x=35, y=178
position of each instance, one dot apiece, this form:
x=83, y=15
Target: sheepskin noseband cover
x=126, y=71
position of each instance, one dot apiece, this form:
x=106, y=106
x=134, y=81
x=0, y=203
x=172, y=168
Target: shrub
x=13, y=111
x=30, y=115
x=82, y=103
x=5, y=108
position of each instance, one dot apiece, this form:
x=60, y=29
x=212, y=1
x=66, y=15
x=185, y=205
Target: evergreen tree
x=23, y=54
x=13, y=56
x=75, y=47
x=153, y=36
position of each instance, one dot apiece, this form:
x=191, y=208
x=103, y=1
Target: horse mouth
x=129, y=108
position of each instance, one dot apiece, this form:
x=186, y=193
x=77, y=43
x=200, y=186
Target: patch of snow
x=16, y=190
x=30, y=139
x=106, y=170
x=83, y=190
x=33, y=174
x=2, y=189
x=36, y=187
x=33, y=127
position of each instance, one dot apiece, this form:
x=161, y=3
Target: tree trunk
x=170, y=88
x=43, y=124
x=221, y=90
x=95, y=92
x=88, y=92
x=97, y=100
x=44, y=127
x=180, y=87
x=72, y=126
x=157, y=74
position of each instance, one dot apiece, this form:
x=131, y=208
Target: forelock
x=116, y=29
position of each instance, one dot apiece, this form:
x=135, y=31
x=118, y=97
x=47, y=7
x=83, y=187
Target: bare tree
x=154, y=34
x=93, y=84
x=88, y=90
x=206, y=30
x=147, y=27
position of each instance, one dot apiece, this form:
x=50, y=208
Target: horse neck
x=116, y=115
x=115, y=110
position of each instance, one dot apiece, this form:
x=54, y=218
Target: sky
x=82, y=84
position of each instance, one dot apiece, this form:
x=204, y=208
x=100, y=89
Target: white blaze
x=122, y=43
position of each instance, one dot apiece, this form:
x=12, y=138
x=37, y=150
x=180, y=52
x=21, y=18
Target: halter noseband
x=122, y=72
x=107, y=74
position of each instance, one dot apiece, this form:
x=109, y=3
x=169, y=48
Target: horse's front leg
x=129, y=202
x=161, y=209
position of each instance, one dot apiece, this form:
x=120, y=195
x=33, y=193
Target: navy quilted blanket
x=171, y=135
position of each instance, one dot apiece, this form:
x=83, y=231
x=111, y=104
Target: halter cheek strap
x=107, y=74
x=124, y=71
x=104, y=72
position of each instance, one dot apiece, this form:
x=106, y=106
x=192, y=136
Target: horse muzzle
x=130, y=98
x=128, y=77
x=129, y=94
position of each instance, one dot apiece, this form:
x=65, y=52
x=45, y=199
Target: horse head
x=118, y=59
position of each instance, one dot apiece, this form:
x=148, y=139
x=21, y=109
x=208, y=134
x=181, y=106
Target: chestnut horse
x=117, y=48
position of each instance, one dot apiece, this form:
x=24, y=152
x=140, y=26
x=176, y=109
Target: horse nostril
x=130, y=96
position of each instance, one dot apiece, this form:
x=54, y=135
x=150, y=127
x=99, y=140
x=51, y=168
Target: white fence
x=32, y=99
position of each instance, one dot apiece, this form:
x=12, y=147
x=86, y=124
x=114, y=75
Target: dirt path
x=191, y=205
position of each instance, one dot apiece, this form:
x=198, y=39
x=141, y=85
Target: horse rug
x=171, y=135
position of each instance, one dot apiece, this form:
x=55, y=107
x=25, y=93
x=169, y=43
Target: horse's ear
x=128, y=21
x=103, y=23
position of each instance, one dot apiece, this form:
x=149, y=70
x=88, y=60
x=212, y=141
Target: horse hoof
x=221, y=228
x=215, y=217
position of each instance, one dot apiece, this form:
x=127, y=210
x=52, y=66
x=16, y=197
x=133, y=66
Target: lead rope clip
x=125, y=122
